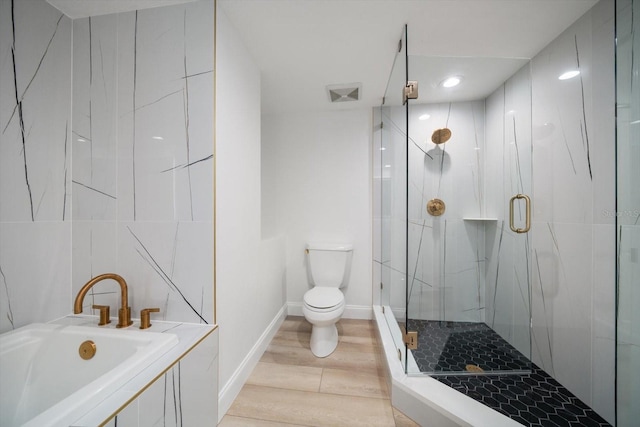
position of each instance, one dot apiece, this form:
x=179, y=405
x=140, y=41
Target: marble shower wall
x=35, y=163
x=142, y=145
x=573, y=232
x=446, y=253
x=446, y=260
x=508, y=166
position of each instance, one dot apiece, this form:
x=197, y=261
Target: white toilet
x=329, y=266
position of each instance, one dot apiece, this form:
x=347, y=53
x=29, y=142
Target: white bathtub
x=45, y=382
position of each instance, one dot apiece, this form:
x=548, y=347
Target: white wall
x=318, y=188
x=249, y=270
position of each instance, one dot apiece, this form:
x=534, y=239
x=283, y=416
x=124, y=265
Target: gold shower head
x=440, y=136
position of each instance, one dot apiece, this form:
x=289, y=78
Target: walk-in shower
x=448, y=213
x=496, y=249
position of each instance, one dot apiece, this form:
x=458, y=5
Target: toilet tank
x=329, y=264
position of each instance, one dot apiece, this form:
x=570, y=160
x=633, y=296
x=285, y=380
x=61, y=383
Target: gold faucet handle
x=104, y=314
x=145, y=317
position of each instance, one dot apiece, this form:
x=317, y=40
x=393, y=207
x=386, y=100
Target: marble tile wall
x=446, y=260
x=142, y=145
x=185, y=394
x=573, y=237
x=110, y=172
x=35, y=163
x=508, y=162
x=446, y=253
x=140, y=187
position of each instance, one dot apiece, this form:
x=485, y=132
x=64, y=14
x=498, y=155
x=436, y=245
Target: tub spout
x=124, y=314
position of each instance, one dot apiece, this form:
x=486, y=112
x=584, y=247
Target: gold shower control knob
x=435, y=207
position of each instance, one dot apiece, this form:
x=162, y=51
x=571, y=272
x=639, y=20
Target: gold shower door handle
x=527, y=225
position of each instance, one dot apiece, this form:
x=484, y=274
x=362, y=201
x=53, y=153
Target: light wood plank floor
x=292, y=387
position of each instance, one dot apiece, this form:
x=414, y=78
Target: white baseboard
x=232, y=388
x=350, y=311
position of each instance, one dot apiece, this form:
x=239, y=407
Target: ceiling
x=302, y=46
x=75, y=9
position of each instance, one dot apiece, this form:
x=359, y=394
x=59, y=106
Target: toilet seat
x=322, y=299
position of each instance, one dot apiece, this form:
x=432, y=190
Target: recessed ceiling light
x=568, y=75
x=424, y=117
x=451, y=81
x=159, y=138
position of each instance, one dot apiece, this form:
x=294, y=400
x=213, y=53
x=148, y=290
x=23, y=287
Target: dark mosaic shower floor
x=532, y=399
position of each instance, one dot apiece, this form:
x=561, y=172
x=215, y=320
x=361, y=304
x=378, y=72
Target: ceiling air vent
x=344, y=92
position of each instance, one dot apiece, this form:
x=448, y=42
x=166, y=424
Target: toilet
x=329, y=267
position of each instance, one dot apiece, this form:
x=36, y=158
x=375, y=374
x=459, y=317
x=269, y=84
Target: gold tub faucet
x=124, y=314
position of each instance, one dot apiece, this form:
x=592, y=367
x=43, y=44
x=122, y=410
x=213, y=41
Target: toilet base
x=324, y=340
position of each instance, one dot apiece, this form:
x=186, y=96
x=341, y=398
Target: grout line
x=321, y=379
x=246, y=417
x=372, y=398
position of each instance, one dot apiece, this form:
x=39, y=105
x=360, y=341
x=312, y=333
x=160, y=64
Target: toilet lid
x=321, y=297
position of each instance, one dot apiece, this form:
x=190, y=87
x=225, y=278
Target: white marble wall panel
x=35, y=196
x=143, y=166
x=184, y=393
x=95, y=118
x=34, y=112
x=446, y=254
x=509, y=172
x=574, y=166
x=144, y=97
x=35, y=272
x=162, y=263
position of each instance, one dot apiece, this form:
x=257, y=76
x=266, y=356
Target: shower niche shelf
x=479, y=219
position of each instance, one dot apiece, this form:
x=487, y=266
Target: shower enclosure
x=455, y=164
x=496, y=212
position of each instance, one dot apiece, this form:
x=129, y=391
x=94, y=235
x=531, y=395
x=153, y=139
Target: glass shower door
x=392, y=182
x=628, y=213
x=468, y=252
